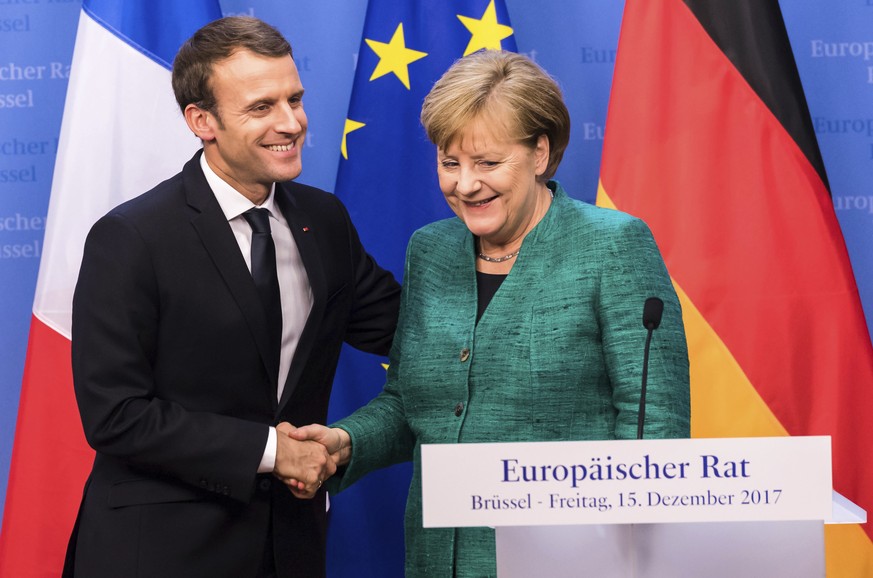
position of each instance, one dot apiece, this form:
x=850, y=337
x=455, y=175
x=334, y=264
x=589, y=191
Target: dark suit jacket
x=169, y=348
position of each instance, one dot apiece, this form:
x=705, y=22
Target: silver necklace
x=485, y=257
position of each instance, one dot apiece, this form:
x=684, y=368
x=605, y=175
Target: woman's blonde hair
x=521, y=94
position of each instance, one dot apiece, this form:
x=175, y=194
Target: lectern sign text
x=620, y=482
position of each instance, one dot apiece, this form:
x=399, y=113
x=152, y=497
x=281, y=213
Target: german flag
x=709, y=140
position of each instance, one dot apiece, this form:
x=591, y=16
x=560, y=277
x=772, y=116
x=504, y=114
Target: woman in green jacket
x=521, y=318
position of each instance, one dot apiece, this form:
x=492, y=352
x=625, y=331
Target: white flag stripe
x=122, y=112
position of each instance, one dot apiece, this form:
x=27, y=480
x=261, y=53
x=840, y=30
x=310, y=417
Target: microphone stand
x=652, y=311
x=642, y=413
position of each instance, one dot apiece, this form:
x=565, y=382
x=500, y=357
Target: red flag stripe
x=47, y=418
x=724, y=402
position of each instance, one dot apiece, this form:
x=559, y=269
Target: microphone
x=652, y=311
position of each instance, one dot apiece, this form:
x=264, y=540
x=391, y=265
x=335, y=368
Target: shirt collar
x=232, y=202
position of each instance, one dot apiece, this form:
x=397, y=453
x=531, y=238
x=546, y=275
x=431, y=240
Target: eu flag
x=387, y=179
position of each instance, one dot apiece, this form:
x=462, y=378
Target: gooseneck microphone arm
x=652, y=311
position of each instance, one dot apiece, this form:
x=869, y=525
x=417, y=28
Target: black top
x=487, y=285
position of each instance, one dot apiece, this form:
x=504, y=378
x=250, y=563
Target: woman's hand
x=336, y=440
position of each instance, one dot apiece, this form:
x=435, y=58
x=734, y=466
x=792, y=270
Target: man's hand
x=301, y=465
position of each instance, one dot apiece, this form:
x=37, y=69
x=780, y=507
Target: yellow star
x=351, y=125
x=394, y=57
x=486, y=32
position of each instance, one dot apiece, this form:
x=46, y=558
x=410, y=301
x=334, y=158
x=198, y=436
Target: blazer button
x=459, y=409
x=465, y=354
x=264, y=485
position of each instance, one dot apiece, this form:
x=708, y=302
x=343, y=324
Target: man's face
x=260, y=136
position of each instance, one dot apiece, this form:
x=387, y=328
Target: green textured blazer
x=557, y=355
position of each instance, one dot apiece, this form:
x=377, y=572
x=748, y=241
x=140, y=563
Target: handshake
x=307, y=456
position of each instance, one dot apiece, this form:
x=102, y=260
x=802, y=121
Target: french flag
x=122, y=133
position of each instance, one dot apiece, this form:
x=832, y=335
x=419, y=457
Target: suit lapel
x=215, y=233
x=301, y=225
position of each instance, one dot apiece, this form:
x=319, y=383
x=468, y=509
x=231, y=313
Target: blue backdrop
x=575, y=41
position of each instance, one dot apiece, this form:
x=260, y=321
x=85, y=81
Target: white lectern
x=645, y=508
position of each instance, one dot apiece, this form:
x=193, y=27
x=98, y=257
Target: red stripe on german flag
x=706, y=142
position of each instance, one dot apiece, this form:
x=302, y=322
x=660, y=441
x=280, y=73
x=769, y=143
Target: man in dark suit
x=184, y=365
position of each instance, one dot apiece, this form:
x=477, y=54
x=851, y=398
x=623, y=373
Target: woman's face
x=490, y=182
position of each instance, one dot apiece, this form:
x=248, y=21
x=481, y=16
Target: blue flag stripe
x=156, y=28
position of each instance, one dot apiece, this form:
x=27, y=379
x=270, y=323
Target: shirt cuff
x=268, y=461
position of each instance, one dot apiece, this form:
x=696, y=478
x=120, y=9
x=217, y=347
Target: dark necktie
x=265, y=276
